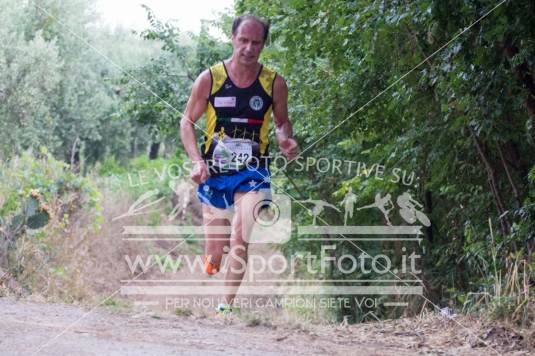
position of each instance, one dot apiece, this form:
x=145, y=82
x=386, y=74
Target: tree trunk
x=493, y=182
x=154, y=149
x=509, y=176
x=75, y=156
x=134, y=147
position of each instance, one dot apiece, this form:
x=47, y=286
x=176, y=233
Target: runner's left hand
x=289, y=148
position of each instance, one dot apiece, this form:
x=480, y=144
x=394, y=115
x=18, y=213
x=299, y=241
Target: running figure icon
x=348, y=203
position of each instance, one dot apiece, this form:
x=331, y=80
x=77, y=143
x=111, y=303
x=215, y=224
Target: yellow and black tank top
x=237, y=122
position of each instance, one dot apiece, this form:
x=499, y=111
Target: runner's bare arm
x=195, y=107
x=283, y=126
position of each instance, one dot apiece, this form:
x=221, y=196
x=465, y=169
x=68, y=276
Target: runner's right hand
x=199, y=173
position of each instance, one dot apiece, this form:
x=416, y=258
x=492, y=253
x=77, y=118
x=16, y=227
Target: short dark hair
x=238, y=20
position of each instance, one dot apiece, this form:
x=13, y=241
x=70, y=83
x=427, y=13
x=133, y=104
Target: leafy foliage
x=370, y=82
x=156, y=92
x=36, y=188
x=59, y=82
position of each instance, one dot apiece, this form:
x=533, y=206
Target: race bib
x=232, y=154
x=241, y=151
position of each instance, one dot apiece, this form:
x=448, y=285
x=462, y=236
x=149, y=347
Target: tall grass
x=510, y=296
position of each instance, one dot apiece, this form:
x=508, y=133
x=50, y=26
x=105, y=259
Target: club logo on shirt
x=256, y=103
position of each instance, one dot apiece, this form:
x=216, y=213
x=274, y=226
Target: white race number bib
x=232, y=154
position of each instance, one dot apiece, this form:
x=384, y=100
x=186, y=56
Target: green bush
x=141, y=175
x=110, y=166
x=35, y=188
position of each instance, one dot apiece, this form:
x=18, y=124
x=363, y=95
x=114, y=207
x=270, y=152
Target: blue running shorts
x=218, y=191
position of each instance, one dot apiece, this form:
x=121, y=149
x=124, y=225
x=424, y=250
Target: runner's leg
x=242, y=225
x=214, y=243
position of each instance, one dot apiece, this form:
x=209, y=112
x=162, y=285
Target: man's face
x=248, y=42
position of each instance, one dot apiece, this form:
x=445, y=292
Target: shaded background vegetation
x=461, y=118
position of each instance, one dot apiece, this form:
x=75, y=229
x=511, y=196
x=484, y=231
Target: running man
x=238, y=96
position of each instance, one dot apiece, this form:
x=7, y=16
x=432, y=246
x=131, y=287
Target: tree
x=155, y=93
x=462, y=119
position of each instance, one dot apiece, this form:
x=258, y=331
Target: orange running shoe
x=209, y=267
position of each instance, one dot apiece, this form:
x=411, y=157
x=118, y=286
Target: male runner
x=238, y=95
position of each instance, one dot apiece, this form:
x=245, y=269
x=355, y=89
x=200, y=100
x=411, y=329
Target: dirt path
x=29, y=327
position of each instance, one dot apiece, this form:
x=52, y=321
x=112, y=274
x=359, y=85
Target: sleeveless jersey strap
x=219, y=75
x=266, y=78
